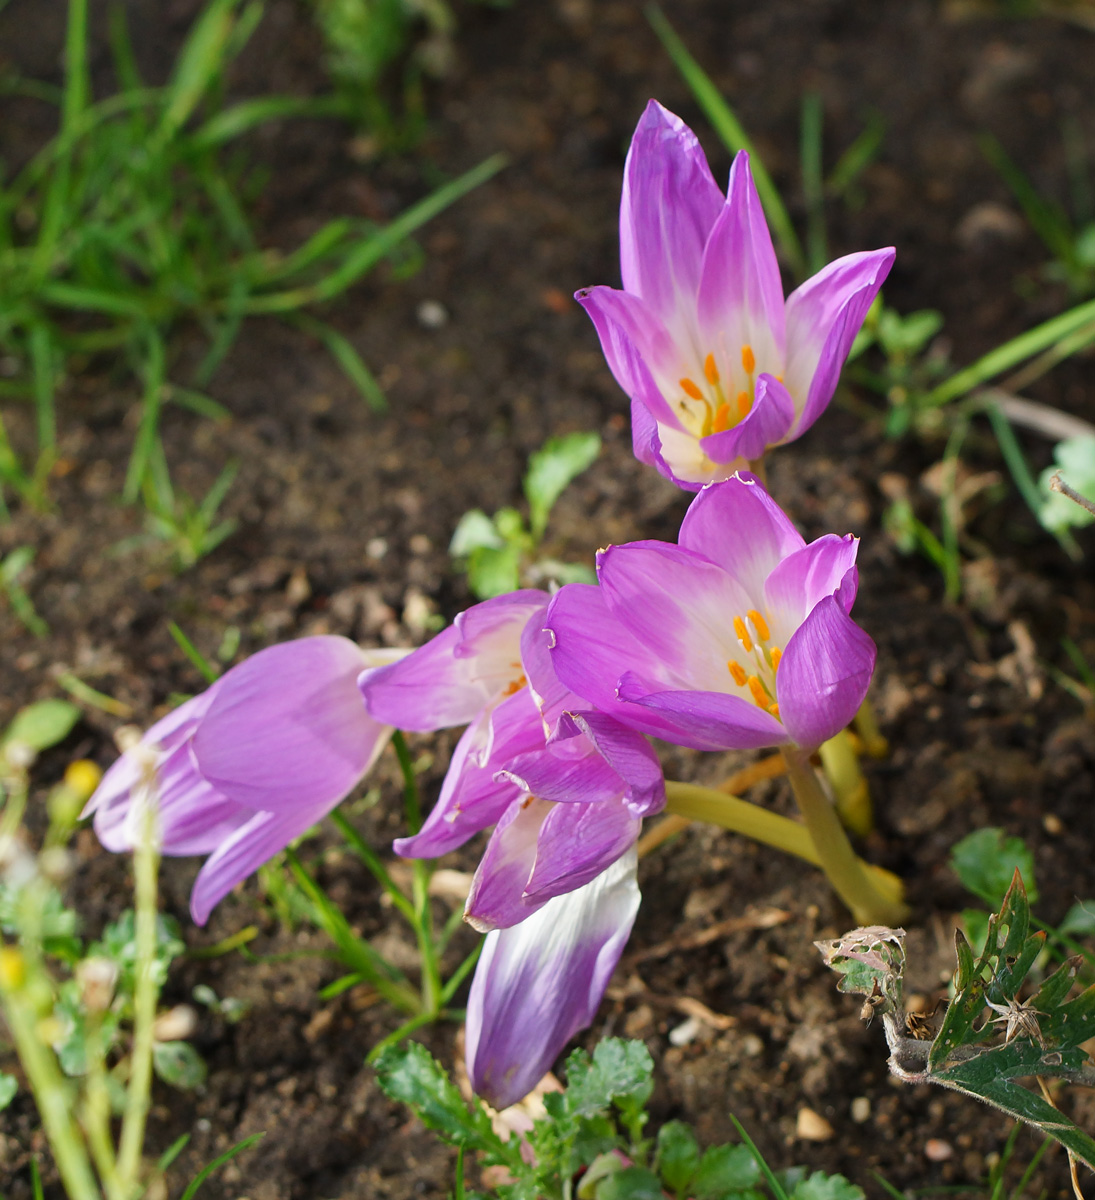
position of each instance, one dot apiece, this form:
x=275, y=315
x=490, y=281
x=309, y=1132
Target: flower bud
x=13, y=970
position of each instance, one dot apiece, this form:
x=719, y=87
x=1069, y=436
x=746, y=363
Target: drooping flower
x=717, y=365
x=241, y=770
x=736, y=638
x=566, y=789
x=537, y=983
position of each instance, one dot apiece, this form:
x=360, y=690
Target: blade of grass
x=777, y=1188
x=1048, y=221
x=1024, y=480
x=371, y=249
x=733, y=136
x=219, y=1162
x=1011, y=353
x=858, y=156
x=207, y=670
x=347, y=358
x=41, y=356
x=150, y=416
x=231, y=122
x=813, y=183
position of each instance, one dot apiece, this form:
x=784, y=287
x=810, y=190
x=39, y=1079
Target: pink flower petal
x=765, y=424
x=701, y=720
x=808, y=575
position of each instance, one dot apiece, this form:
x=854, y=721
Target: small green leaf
x=9, y=1085
x=820, y=1186
x=630, y=1183
x=474, y=531
x=409, y=1073
x=724, y=1169
x=1080, y=919
x=976, y=922
x=1075, y=459
x=42, y=725
x=494, y=572
x=620, y=1072
x=985, y=861
x=179, y=1064
x=551, y=468
x=678, y=1154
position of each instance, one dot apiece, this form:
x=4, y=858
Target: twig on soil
x=764, y=918
x=1057, y=484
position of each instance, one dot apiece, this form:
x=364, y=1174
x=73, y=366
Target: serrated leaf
x=474, y=531
x=619, y=1072
x=494, y=572
x=986, y=860
x=179, y=1064
x=870, y=962
x=409, y=1073
x=630, y=1183
x=723, y=1170
x=42, y=725
x=820, y=1186
x=551, y=469
x=678, y=1154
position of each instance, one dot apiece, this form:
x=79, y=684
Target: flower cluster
x=738, y=636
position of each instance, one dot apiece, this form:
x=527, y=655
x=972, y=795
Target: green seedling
x=590, y=1145
x=500, y=553
x=990, y=1037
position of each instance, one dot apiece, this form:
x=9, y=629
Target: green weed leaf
x=42, y=725
x=678, y=1155
x=179, y=1064
x=559, y=461
x=620, y=1072
x=820, y=1186
x=724, y=1170
x=986, y=860
x=9, y=1085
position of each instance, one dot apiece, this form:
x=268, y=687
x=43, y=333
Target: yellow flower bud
x=13, y=970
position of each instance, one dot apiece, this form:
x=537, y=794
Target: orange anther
x=748, y=359
x=737, y=671
x=775, y=654
x=744, y=405
x=759, y=624
x=515, y=686
x=690, y=389
x=760, y=696
x=722, y=418
x=711, y=372
x=774, y=710
x=743, y=634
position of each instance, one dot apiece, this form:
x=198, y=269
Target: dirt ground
x=345, y=518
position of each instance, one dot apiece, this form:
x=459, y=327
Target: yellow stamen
x=779, y=378
x=515, y=686
x=775, y=654
x=737, y=671
x=743, y=634
x=744, y=405
x=774, y=710
x=748, y=359
x=710, y=370
x=759, y=624
x=690, y=389
x=760, y=696
x=722, y=418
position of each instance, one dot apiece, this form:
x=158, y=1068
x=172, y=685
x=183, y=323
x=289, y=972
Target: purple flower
x=250, y=764
x=718, y=367
x=539, y=982
x=736, y=638
x=566, y=789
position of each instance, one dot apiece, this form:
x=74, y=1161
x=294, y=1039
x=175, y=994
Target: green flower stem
x=874, y=897
x=705, y=804
x=420, y=887
x=865, y=724
x=146, y=862
x=95, y=1115
x=853, y=797
x=19, y=978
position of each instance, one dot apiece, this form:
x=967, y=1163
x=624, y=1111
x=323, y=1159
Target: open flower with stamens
x=717, y=365
x=738, y=637
x=250, y=764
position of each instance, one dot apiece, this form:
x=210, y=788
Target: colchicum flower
x=736, y=638
x=566, y=789
x=250, y=764
x=718, y=367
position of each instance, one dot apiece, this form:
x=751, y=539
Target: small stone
x=432, y=315
x=1053, y=825
x=938, y=1150
x=685, y=1032
x=861, y=1109
x=812, y=1127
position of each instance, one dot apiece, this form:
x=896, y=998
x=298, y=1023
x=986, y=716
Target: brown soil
x=345, y=518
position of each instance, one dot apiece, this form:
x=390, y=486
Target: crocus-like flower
x=718, y=367
x=241, y=770
x=736, y=638
x=539, y=982
x=566, y=789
